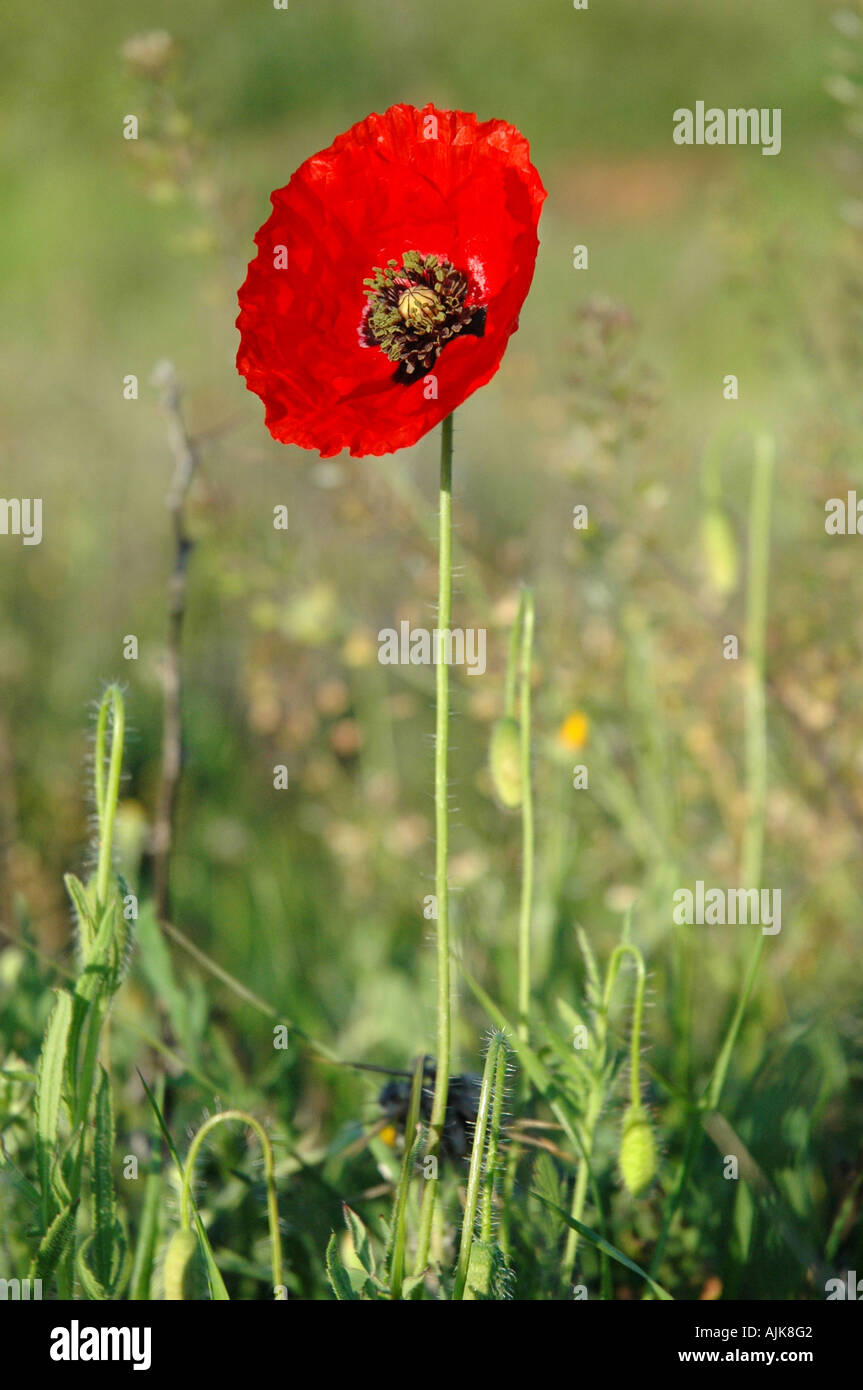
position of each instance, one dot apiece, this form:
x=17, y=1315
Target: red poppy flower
x=388, y=279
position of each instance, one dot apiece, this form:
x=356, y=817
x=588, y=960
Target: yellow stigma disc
x=418, y=305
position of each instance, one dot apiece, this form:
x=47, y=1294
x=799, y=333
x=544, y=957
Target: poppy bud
x=720, y=551
x=637, y=1159
x=505, y=762
x=180, y=1254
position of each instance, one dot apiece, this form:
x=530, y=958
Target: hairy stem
x=269, y=1177
x=441, y=796
x=527, y=833
x=185, y=451
x=108, y=794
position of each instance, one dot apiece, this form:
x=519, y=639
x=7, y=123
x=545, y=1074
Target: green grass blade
x=148, y=1229
x=605, y=1246
x=412, y=1138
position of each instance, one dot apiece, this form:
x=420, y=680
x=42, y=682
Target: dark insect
x=461, y=1111
x=461, y=1107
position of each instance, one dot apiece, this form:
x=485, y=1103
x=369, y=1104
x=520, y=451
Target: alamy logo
x=850, y=1287
x=737, y=126
x=76, y=1343
x=20, y=1289
x=21, y=516
x=844, y=518
x=418, y=647
x=736, y=906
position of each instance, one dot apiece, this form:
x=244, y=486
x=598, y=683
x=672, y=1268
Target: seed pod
x=638, y=1162
x=505, y=762
x=179, y=1264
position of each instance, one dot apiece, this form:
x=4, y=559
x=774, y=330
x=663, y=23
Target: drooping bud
x=505, y=762
x=720, y=551
x=638, y=1161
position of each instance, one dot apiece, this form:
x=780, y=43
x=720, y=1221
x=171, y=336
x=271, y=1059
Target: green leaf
x=338, y=1275
x=547, y=1183
x=573, y=1061
x=21, y=1184
x=488, y=1278
x=412, y=1285
x=571, y=1017
x=594, y=987
x=92, y=995
x=94, y=976
x=49, y=1088
x=83, y=911
x=19, y=1075
x=54, y=1243
x=360, y=1238
x=90, y=1282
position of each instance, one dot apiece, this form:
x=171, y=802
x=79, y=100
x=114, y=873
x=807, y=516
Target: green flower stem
x=441, y=796
x=269, y=1175
x=756, y=732
x=476, y=1164
x=108, y=795
x=512, y=661
x=526, y=623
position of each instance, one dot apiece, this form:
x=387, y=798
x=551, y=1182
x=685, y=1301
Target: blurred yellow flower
x=572, y=733
x=359, y=649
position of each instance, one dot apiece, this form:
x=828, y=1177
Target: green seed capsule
x=638, y=1162
x=179, y=1259
x=505, y=762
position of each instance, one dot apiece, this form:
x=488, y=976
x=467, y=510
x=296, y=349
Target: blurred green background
x=703, y=261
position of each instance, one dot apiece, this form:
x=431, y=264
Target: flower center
x=419, y=306
x=415, y=309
